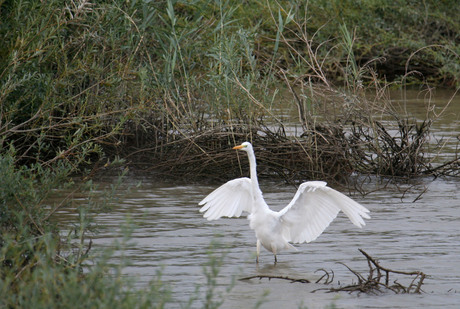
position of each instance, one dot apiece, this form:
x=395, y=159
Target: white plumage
x=229, y=200
x=310, y=212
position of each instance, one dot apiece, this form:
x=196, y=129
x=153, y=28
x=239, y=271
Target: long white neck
x=259, y=202
x=253, y=171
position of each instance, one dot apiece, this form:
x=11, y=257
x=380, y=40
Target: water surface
x=171, y=236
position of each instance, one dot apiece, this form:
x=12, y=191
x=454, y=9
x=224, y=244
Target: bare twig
x=269, y=277
x=329, y=276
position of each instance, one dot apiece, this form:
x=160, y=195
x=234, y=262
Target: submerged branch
x=269, y=277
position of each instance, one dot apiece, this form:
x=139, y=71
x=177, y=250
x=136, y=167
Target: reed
x=344, y=131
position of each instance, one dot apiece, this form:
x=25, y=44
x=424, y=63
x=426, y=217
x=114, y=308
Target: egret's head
x=245, y=146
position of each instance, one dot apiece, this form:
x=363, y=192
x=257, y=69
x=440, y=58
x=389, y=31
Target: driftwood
x=269, y=277
x=377, y=281
x=328, y=278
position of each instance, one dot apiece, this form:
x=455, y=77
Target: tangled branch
x=377, y=281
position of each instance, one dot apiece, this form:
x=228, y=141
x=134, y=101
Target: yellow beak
x=238, y=147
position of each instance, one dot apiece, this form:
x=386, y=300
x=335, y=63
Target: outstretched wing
x=313, y=208
x=229, y=200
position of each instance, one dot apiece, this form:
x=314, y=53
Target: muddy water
x=171, y=236
x=406, y=232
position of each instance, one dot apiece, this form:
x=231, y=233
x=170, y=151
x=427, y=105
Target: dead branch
x=414, y=283
x=377, y=281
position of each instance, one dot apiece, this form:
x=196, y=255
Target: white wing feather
x=313, y=208
x=229, y=200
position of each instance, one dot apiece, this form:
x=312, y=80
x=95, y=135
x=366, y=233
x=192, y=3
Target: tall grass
x=82, y=82
x=87, y=77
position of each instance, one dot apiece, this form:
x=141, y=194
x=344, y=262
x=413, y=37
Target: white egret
x=310, y=212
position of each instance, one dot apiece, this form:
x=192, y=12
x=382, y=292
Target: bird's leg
x=258, y=251
x=276, y=260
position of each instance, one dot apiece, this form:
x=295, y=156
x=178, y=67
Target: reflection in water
x=172, y=236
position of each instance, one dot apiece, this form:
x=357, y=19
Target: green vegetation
x=168, y=84
x=112, y=77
